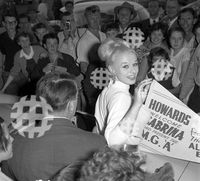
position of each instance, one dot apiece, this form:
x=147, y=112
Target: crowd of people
x=104, y=72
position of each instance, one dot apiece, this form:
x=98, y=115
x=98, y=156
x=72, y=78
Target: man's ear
x=132, y=17
x=71, y=107
x=195, y=20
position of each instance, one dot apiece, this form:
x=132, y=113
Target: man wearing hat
x=125, y=14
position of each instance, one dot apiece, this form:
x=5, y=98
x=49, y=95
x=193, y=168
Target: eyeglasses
x=10, y=22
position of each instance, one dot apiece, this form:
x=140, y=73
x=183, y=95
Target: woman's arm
x=188, y=81
x=184, y=69
x=124, y=129
x=127, y=123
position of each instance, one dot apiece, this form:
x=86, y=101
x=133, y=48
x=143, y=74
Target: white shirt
x=68, y=46
x=152, y=21
x=3, y=177
x=27, y=57
x=111, y=106
x=181, y=57
x=85, y=44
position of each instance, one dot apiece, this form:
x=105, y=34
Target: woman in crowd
x=179, y=54
x=5, y=147
x=191, y=81
x=116, y=111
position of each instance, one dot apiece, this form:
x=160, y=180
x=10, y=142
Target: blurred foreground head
x=59, y=90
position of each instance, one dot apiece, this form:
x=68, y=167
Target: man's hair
x=23, y=34
x=111, y=26
x=153, y=1
x=176, y=29
x=69, y=2
x=49, y=36
x=91, y=10
x=190, y=10
x=39, y=26
x=112, y=165
x=9, y=14
x=58, y=89
x=177, y=1
x=66, y=14
x=23, y=15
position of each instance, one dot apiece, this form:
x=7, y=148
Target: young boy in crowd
x=40, y=30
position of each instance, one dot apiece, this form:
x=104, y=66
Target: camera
x=67, y=25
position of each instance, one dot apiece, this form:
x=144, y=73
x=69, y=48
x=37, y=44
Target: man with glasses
x=8, y=48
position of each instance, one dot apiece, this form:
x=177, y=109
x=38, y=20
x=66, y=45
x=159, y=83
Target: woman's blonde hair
x=110, y=48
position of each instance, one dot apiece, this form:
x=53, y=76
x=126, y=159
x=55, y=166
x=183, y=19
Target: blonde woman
x=116, y=111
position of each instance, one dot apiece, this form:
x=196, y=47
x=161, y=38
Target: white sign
x=174, y=129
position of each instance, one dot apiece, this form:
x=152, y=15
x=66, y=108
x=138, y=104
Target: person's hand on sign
x=141, y=91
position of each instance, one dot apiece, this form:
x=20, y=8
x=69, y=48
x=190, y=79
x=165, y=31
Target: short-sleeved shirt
x=9, y=48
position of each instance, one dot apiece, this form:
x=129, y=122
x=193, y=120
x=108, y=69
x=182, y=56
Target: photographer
x=70, y=35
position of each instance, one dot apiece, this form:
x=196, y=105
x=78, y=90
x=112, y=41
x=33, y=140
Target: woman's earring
x=113, y=78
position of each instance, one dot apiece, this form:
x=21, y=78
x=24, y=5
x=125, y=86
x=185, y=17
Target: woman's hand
x=141, y=91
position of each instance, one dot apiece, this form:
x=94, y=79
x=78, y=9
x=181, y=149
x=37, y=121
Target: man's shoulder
x=3, y=37
x=3, y=34
x=67, y=57
x=145, y=21
x=92, y=140
x=60, y=34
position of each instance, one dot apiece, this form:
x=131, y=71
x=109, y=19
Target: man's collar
x=23, y=54
x=154, y=20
